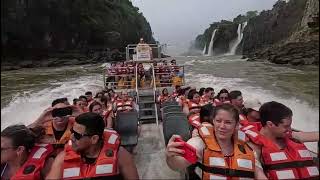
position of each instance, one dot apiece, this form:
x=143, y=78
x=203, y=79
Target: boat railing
x=155, y=94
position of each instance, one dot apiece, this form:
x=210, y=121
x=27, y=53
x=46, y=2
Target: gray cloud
x=178, y=22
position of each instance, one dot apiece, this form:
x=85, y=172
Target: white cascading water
x=238, y=40
x=210, y=50
x=204, y=50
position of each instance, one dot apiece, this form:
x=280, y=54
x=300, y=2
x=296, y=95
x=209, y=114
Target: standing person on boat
x=220, y=151
x=222, y=97
x=283, y=154
x=93, y=152
x=144, y=51
x=21, y=157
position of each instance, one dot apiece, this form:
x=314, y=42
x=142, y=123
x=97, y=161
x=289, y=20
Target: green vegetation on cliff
x=33, y=26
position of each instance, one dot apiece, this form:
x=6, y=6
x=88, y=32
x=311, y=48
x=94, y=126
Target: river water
x=26, y=93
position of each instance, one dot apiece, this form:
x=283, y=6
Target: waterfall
x=238, y=40
x=204, y=50
x=210, y=50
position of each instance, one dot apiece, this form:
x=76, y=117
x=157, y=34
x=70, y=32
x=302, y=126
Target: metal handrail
x=137, y=91
x=154, y=94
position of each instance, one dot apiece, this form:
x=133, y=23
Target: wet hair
x=164, y=89
x=192, y=93
x=93, y=122
x=84, y=97
x=59, y=100
x=274, y=112
x=201, y=91
x=208, y=89
x=94, y=103
x=229, y=108
x=206, y=111
x=234, y=94
x=88, y=93
x=20, y=135
x=221, y=92
x=98, y=94
x=104, y=100
x=75, y=100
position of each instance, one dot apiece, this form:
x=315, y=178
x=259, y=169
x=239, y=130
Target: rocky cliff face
x=227, y=31
x=289, y=33
x=226, y=35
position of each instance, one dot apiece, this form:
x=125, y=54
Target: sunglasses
x=61, y=112
x=77, y=135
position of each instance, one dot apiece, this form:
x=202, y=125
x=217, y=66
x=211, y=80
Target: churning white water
x=25, y=108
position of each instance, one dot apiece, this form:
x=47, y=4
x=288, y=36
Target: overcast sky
x=178, y=22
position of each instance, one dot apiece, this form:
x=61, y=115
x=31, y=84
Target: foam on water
x=26, y=107
x=305, y=118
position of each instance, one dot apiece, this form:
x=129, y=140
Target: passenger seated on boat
x=175, y=93
x=236, y=99
x=165, y=75
x=222, y=97
x=108, y=112
x=193, y=103
x=112, y=72
x=97, y=108
x=124, y=103
x=204, y=118
x=121, y=83
x=208, y=96
x=21, y=157
x=56, y=122
x=113, y=95
x=88, y=94
x=174, y=68
x=80, y=104
x=201, y=91
x=220, y=151
x=282, y=155
x=176, y=80
x=181, y=98
x=93, y=152
x=251, y=114
x=164, y=96
x=84, y=100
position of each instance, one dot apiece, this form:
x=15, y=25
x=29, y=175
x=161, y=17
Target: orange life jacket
x=214, y=164
x=163, y=98
x=194, y=120
x=31, y=169
x=217, y=102
x=124, y=105
x=292, y=162
x=193, y=106
x=105, y=165
x=66, y=135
